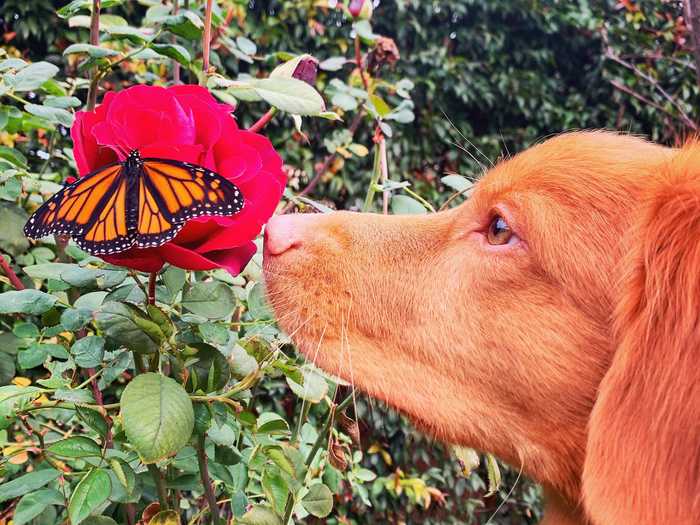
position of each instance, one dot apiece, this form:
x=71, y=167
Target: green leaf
x=12, y=239
x=380, y=106
x=99, y=520
x=405, y=205
x=457, y=182
x=7, y=367
x=75, y=447
x=73, y=319
x=239, y=502
x=48, y=270
x=55, y=115
x=212, y=300
x=314, y=388
x=27, y=483
x=88, y=352
x=75, y=6
x=291, y=95
x=364, y=30
x=271, y=423
x=124, y=324
x=62, y=102
x=165, y=517
x=210, y=372
x=12, y=63
x=13, y=156
x=26, y=302
x=214, y=333
x=93, y=419
x=34, y=75
x=318, y=501
x=174, y=280
x=34, y=503
x=187, y=24
x=132, y=34
x=257, y=302
x=32, y=356
x=259, y=515
x=157, y=415
x=246, y=45
x=275, y=488
x=91, y=492
x=173, y=51
x=92, y=51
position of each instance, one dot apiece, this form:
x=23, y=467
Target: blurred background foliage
x=487, y=79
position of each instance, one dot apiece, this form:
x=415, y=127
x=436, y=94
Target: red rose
x=186, y=123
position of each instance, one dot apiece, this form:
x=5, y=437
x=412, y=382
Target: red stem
x=11, y=275
x=206, y=38
x=358, y=60
x=152, y=288
x=262, y=121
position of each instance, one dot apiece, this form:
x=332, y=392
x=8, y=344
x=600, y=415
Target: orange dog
x=552, y=319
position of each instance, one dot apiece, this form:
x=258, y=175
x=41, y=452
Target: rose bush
x=186, y=123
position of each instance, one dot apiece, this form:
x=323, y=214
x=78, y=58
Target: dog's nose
x=284, y=232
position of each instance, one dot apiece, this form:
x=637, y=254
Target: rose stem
x=206, y=482
x=11, y=275
x=152, y=287
x=206, y=42
x=94, y=40
x=262, y=121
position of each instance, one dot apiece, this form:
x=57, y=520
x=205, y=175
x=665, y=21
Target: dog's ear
x=643, y=457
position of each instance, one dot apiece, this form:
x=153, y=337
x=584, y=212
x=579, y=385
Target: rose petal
x=233, y=260
x=144, y=260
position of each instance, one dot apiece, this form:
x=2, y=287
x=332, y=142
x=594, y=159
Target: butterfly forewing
x=142, y=202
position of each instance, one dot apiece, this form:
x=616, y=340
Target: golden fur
x=572, y=352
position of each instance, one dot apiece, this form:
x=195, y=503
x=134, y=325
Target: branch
x=206, y=41
x=94, y=40
x=152, y=287
x=692, y=20
x=11, y=275
x=206, y=481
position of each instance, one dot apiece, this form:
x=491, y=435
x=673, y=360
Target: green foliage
x=109, y=404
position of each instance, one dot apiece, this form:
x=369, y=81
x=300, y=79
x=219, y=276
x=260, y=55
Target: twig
x=206, y=481
x=176, y=64
x=692, y=8
x=11, y=275
x=384, y=169
x=638, y=96
x=162, y=491
x=358, y=61
x=262, y=121
x=206, y=42
x=94, y=40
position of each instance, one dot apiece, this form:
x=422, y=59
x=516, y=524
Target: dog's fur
x=572, y=351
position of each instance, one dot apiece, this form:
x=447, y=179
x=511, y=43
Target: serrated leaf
x=93, y=419
x=257, y=302
x=271, y=423
x=88, y=495
x=88, y=351
x=457, y=182
x=314, y=388
x=259, y=515
x=124, y=324
x=90, y=50
x=494, y=475
x=51, y=114
x=33, y=504
x=212, y=300
x=27, y=483
x=75, y=447
x=26, y=302
x=318, y=501
x=333, y=63
x=165, y=517
x=405, y=205
x=275, y=488
x=157, y=415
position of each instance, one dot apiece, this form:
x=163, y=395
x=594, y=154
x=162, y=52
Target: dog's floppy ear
x=643, y=458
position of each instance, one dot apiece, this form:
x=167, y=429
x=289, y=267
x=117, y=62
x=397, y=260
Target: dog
x=553, y=319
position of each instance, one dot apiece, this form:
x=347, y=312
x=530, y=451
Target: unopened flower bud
x=361, y=9
x=306, y=70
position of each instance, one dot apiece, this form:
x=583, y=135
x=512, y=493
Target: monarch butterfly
x=141, y=202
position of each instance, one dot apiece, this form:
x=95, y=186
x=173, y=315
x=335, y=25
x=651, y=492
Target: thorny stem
x=11, y=275
x=289, y=505
x=358, y=61
x=206, y=481
x=262, y=121
x=157, y=476
x=206, y=42
x=97, y=393
x=94, y=40
x=376, y=172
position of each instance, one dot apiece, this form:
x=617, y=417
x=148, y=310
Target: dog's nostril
x=282, y=233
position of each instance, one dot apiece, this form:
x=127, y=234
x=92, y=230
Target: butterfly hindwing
x=135, y=202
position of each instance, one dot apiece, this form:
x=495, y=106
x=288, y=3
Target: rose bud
x=361, y=9
x=306, y=70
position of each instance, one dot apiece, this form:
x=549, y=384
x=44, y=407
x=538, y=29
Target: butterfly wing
x=172, y=192
x=92, y=210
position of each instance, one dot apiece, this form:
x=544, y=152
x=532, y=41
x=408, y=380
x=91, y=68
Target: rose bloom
x=186, y=123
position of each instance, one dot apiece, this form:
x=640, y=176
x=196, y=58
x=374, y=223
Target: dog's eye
x=499, y=232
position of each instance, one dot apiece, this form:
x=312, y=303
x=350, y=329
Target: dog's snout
x=284, y=232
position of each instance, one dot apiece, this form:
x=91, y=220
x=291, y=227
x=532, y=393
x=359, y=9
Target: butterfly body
x=141, y=202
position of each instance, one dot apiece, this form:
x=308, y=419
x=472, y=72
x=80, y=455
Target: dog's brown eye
x=499, y=232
